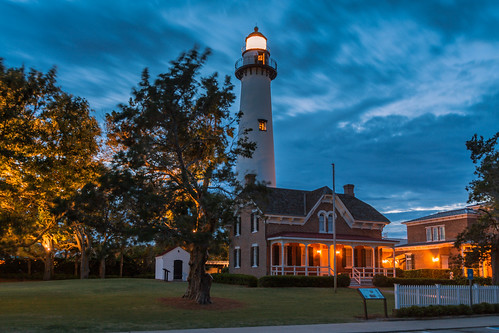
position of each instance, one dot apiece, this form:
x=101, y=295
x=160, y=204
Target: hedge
x=384, y=281
x=427, y=274
x=272, y=281
x=446, y=310
x=239, y=279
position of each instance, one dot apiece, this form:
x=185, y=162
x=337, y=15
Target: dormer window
x=262, y=125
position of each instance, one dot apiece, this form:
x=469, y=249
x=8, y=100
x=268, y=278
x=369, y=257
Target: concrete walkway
x=366, y=326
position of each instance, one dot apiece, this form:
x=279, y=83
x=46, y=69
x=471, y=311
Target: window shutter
x=257, y=255
x=257, y=222
x=252, y=257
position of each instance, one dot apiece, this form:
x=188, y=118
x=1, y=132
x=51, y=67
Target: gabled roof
x=449, y=213
x=169, y=250
x=282, y=201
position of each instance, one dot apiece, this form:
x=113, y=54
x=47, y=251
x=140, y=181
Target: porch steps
x=363, y=282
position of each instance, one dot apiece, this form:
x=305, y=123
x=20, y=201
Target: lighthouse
x=256, y=70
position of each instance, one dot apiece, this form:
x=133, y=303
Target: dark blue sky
x=387, y=90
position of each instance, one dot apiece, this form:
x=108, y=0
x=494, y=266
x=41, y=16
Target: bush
x=446, y=310
x=384, y=281
x=426, y=274
x=239, y=279
x=280, y=281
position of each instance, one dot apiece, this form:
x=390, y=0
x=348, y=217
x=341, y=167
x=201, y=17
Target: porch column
x=271, y=257
x=282, y=258
x=306, y=259
x=374, y=258
x=329, y=260
x=394, y=270
x=353, y=257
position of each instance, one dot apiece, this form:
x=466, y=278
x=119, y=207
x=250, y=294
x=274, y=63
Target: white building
x=173, y=263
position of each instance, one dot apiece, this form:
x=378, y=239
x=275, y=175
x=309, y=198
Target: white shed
x=176, y=263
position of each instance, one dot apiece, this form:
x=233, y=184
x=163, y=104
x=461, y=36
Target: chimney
x=249, y=179
x=348, y=189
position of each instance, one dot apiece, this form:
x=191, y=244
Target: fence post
x=396, y=292
x=438, y=294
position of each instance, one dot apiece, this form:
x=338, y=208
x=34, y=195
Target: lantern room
x=256, y=40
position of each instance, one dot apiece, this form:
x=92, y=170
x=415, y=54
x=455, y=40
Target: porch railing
x=360, y=274
x=301, y=270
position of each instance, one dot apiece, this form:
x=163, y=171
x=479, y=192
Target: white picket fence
x=406, y=296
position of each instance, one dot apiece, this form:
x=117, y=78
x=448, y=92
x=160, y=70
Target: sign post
x=372, y=294
x=470, y=279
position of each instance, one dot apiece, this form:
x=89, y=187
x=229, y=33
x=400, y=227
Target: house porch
x=360, y=260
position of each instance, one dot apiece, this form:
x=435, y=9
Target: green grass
x=134, y=305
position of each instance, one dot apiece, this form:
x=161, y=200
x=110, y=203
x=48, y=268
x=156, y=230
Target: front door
x=177, y=269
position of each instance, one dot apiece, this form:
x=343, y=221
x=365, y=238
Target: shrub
x=382, y=281
x=426, y=274
x=239, y=279
x=303, y=281
x=446, y=310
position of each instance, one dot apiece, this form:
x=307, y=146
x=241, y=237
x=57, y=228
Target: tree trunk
x=102, y=268
x=494, y=264
x=121, y=265
x=84, y=266
x=48, y=262
x=76, y=266
x=29, y=267
x=199, y=281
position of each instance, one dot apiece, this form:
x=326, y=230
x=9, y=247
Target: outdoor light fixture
x=318, y=251
x=435, y=259
x=338, y=252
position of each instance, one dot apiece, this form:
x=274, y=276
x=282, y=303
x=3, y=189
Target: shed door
x=177, y=269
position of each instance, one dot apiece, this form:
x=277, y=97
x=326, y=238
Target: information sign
x=371, y=294
x=470, y=273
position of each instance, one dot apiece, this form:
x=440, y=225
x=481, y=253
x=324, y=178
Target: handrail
x=254, y=60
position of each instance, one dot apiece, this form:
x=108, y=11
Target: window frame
x=237, y=257
x=255, y=256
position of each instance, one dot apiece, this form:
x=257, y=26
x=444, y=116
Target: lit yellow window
x=262, y=124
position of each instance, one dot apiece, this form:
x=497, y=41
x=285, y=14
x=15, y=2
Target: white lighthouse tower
x=256, y=70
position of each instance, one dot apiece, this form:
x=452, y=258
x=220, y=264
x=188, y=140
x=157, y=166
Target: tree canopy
x=483, y=236
x=176, y=137
x=47, y=143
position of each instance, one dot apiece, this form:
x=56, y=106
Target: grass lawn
x=135, y=305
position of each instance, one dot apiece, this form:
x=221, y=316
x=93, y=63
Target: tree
x=47, y=144
x=483, y=236
x=175, y=135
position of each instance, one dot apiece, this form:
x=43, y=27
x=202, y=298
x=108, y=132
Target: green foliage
x=426, y=273
x=384, y=281
x=446, y=310
x=484, y=234
x=238, y=279
x=281, y=281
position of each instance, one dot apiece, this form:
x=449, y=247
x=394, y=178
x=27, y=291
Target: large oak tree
x=176, y=135
x=47, y=144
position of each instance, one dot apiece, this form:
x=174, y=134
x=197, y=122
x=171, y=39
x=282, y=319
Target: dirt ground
x=218, y=304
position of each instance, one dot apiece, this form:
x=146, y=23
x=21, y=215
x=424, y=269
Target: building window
x=237, y=257
x=409, y=263
x=254, y=255
x=255, y=221
x=237, y=226
x=330, y=223
x=262, y=125
x=322, y=225
x=435, y=234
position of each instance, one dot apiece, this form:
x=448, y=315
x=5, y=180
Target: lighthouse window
x=262, y=124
